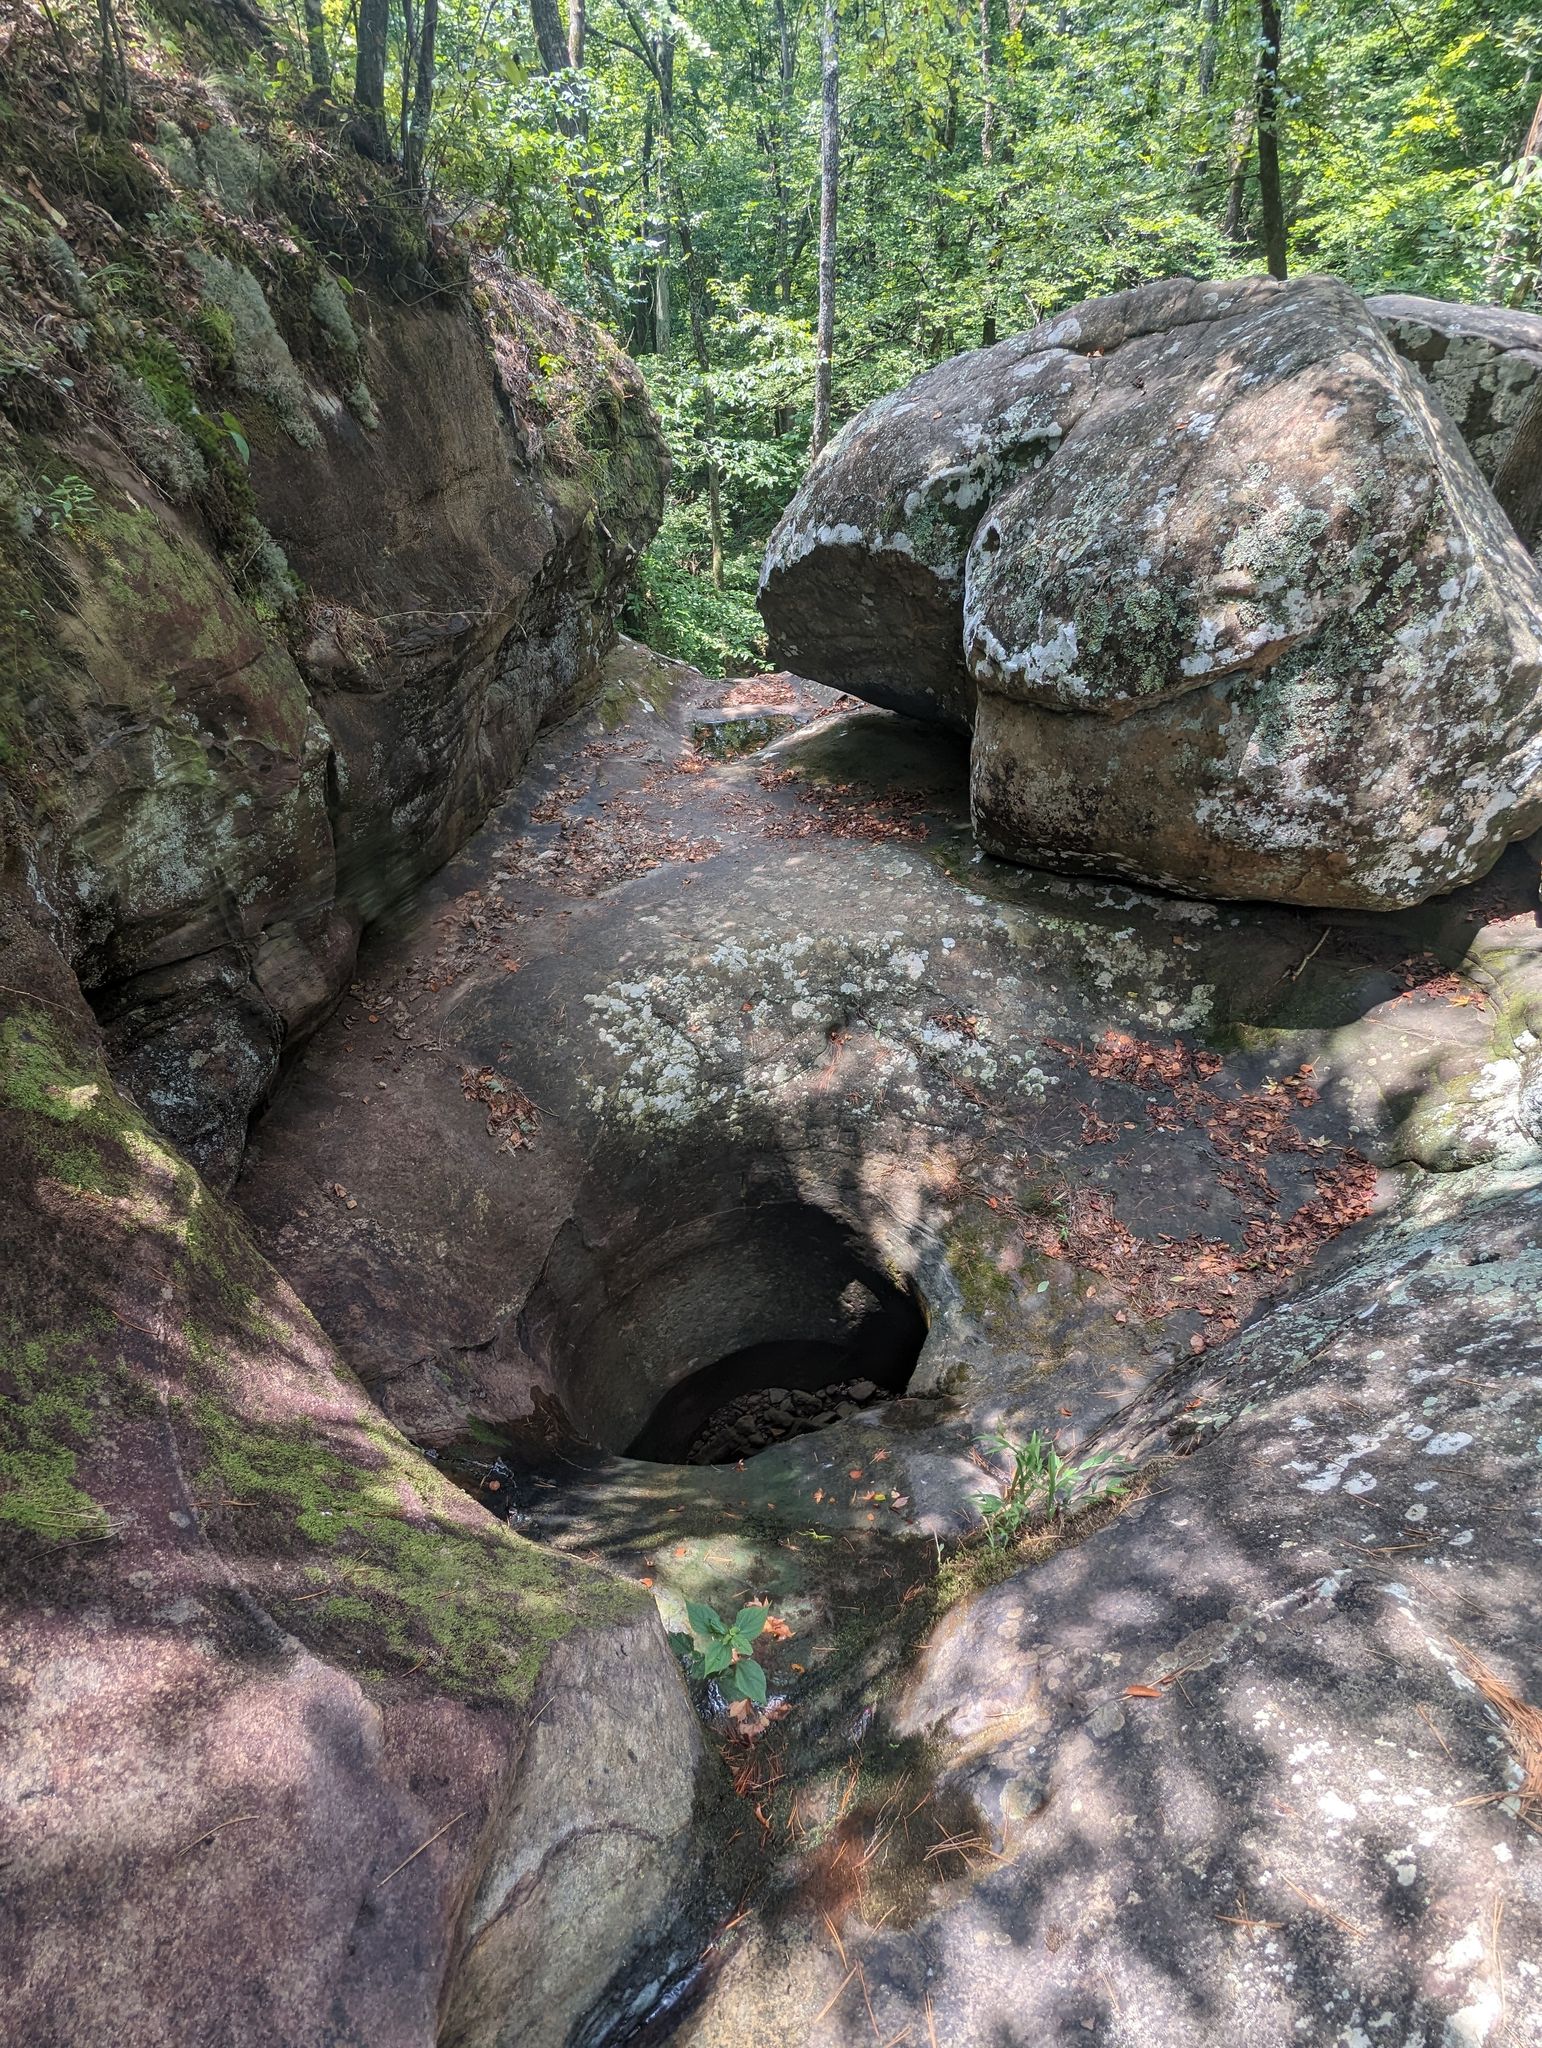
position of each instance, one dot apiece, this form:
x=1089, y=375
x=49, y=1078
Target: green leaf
x=715, y=1658
x=749, y=1681
x=232, y=427
x=681, y=1643
x=749, y=1621
x=703, y=1621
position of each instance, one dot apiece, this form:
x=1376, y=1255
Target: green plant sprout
x=1040, y=1485
x=720, y=1649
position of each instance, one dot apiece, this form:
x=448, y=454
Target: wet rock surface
x=683, y=1054
x=1214, y=584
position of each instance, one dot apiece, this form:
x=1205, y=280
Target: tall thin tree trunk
x=409, y=54
x=1271, y=198
x=1236, y=179
x=663, y=311
x=369, y=73
x=1526, y=169
x=829, y=180
x=316, y=46
x=415, y=146
x=987, y=103
x=578, y=25
x=696, y=301
x=1210, y=15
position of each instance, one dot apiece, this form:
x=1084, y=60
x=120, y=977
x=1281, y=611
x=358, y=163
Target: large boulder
x=343, y=523
x=1485, y=365
x=868, y=559
x=1249, y=623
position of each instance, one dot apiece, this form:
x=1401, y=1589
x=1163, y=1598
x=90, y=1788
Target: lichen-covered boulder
x=864, y=574
x=1241, y=615
x=1260, y=628
x=1484, y=363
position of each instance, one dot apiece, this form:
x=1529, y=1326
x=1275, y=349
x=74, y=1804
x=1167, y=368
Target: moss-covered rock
x=232, y=1595
x=248, y=694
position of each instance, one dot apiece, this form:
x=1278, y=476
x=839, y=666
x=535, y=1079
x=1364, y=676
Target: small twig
x=422, y=1846
x=1321, y=1906
x=1424, y=1717
x=826, y=2010
x=931, y=2024
x=1300, y=968
x=208, y=1834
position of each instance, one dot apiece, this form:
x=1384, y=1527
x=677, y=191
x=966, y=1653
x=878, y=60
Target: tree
x=369, y=73
x=1271, y=199
x=418, y=107
x=316, y=46
x=829, y=183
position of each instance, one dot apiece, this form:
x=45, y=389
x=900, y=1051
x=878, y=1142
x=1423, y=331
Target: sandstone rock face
x=299, y=1744
x=1241, y=614
x=1484, y=363
x=257, y=682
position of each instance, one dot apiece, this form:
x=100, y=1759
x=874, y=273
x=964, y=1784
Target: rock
x=1242, y=617
x=293, y=1727
x=745, y=730
x=217, y=784
x=864, y=575
x=1484, y=363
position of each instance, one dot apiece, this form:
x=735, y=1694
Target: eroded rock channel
x=1094, y=1328
x=721, y=1072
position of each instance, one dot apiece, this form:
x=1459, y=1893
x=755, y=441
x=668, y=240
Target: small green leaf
x=750, y=1681
x=680, y=1643
x=703, y=1621
x=232, y=427
x=749, y=1621
x=715, y=1658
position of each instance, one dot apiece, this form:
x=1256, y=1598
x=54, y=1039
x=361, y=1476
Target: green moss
x=402, y=1570
x=47, y=1415
x=984, y=1287
x=43, y=1077
x=215, y=332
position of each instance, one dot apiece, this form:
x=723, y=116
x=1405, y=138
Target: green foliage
x=720, y=1649
x=1040, y=1486
x=673, y=606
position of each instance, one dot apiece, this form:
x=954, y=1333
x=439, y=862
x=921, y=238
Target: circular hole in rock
x=732, y=1328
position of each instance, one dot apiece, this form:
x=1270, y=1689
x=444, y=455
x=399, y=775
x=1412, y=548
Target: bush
x=674, y=608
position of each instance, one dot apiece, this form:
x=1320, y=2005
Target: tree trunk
x=663, y=311
x=1236, y=181
x=696, y=300
x=415, y=149
x=409, y=52
x=1526, y=168
x=370, y=131
x=1210, y=15
x=1271, y=199
x=829, y=181
x=578, y=25
x=987, y=104
x=551, y=38
x=316, y=46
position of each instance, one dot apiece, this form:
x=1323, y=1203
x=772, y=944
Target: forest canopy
x=984, y=163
